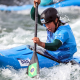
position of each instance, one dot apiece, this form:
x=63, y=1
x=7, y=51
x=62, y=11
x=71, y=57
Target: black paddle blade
x=33, y=68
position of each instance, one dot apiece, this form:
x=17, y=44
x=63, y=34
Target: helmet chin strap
x=56, y=25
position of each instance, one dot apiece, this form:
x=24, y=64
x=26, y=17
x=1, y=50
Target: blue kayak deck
x=19, y=57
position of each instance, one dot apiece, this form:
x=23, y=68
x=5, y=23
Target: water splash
x=61, y=72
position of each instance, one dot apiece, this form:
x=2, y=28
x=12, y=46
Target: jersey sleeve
x=32, y=13
x=62, y=36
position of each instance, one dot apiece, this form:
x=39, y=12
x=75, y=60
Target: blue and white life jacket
x=68, y=48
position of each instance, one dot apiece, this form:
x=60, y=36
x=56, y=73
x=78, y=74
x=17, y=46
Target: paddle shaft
x=50, y=57
x=36, y=20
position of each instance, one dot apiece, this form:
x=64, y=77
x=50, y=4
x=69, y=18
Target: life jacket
x=68, y=48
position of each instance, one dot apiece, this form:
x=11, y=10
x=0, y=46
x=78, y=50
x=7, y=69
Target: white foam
x=61, y=72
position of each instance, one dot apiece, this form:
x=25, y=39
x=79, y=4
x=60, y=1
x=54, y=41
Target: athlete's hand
x=36, y=1
x=36, y=40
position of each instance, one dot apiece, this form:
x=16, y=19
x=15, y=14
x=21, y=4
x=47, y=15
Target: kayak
x=64, y=3
x=20, y=56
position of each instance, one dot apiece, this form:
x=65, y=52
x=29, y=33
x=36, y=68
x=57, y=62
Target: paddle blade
x=32, y=71
x=33, y=68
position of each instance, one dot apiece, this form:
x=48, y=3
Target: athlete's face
x=50, y=26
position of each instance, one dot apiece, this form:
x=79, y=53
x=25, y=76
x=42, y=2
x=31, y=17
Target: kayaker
x=60, y=39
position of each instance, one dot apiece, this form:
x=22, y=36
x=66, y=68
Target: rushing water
x=17, y=28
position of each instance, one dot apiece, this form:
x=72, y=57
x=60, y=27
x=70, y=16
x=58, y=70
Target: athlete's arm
x=49, y=46
x=53, y=46
x=33, y=15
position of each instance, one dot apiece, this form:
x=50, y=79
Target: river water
x=17, y=28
